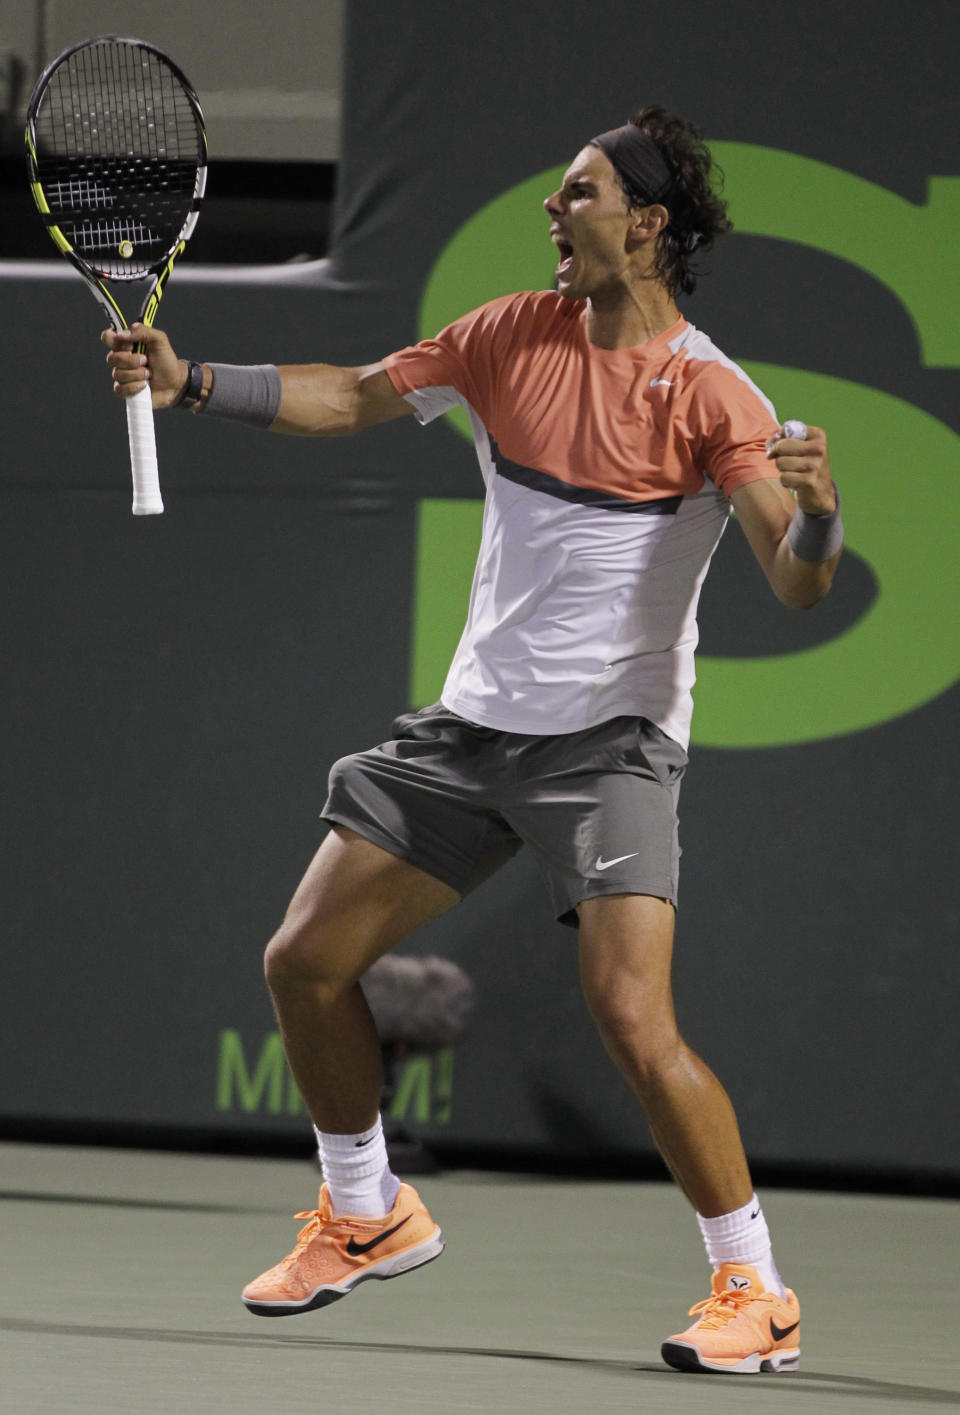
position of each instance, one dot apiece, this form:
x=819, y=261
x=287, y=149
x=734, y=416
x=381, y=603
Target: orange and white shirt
x=607, y=475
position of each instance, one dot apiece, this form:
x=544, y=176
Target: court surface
x=121, y=1272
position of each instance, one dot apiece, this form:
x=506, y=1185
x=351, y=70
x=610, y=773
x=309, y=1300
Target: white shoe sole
x=684, y=1356
x=392, y=1266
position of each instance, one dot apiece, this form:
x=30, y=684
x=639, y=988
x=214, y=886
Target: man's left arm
x=797, y=542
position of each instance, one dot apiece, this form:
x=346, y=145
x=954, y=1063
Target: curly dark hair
x=698, y=215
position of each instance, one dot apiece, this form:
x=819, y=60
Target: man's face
x=590, y=226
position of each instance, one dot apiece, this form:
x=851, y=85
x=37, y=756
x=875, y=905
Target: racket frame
x=143, y=453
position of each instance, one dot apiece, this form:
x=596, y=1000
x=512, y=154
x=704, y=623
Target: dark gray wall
x=177, y=687
x=269, y=75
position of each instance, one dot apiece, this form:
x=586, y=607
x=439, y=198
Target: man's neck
x=630, y=316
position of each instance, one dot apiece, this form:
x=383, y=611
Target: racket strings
x=118, y=147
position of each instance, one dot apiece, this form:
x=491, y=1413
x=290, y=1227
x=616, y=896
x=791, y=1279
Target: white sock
x=357, y=1171
x=742, y=1237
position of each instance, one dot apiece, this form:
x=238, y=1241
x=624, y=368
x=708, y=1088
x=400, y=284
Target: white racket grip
x=143, y=455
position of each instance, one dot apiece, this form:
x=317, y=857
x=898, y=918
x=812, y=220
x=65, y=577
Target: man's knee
x=284, y=960
x=306, y=950
x=625, y=950
x=632, y=1023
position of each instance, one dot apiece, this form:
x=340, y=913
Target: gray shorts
x=598, y=808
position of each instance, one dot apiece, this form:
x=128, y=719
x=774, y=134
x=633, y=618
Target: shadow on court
x=552, y=1297
x=819, y=1381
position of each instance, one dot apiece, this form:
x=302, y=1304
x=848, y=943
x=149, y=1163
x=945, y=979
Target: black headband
x=644, y=170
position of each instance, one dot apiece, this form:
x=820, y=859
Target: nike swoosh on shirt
x=603, y=864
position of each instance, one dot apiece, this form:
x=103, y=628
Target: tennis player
x=613, y=438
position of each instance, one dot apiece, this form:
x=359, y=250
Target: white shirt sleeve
x=430, y=403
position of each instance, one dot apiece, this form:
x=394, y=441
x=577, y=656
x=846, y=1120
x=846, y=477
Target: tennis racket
x=116, y=158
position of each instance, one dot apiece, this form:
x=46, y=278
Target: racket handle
x=143, y=455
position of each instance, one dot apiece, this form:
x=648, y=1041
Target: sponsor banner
x=255, y=1080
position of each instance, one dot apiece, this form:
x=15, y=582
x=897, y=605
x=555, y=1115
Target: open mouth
x=565, y=252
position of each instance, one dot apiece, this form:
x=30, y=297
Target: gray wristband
x=245, y=393
x=816, y=538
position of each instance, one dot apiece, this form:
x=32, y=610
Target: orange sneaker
x=742, y=1327
x=334, y=1254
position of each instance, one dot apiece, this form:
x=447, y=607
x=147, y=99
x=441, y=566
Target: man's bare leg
x=626, y=945
x=750, y=1322
x=355, y=902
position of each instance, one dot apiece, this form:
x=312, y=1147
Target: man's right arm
x=317, y=400
x=322, y=400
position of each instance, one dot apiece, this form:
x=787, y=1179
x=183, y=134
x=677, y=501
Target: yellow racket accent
x=150, y=310
x=121, y=318
x=55, y=232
